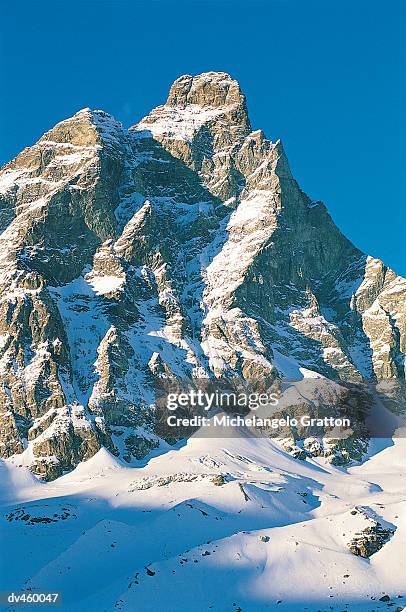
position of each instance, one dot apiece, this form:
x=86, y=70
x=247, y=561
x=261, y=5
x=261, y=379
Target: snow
x=398, y=285
x=34, y=367
x=174, y=122
x=250, y=539
x=250, y=226
x=8, y=179
x=70, y=159
x=103, y=464
x=64, y=145
x=289, y=368
x=86, y=326
x=152, y=335
x=106, y=284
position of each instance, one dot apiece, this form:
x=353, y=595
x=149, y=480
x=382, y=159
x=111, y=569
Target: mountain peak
x=87, y=127
x=210, y=98
x=182, y=249
x=209, y=89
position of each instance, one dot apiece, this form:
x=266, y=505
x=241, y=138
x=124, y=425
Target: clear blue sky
x=327, y=77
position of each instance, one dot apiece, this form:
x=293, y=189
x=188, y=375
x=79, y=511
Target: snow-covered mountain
x=183, y=245
x=184, y=249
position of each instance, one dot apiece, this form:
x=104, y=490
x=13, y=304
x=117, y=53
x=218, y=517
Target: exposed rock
x=371, y=538
x=219, y=480
x=182, y=247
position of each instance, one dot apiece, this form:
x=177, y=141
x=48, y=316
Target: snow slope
x=165, y=536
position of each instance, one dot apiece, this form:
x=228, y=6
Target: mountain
x=182, y=247
x=183, y=251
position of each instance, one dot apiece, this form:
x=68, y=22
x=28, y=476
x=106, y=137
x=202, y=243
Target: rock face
x=180, y=247
x=372, y=537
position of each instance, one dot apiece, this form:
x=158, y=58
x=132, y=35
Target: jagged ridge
x=181, y=246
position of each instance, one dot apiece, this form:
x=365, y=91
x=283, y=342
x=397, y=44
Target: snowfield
x=215, y=524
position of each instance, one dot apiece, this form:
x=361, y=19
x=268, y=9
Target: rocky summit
x=182, y=247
